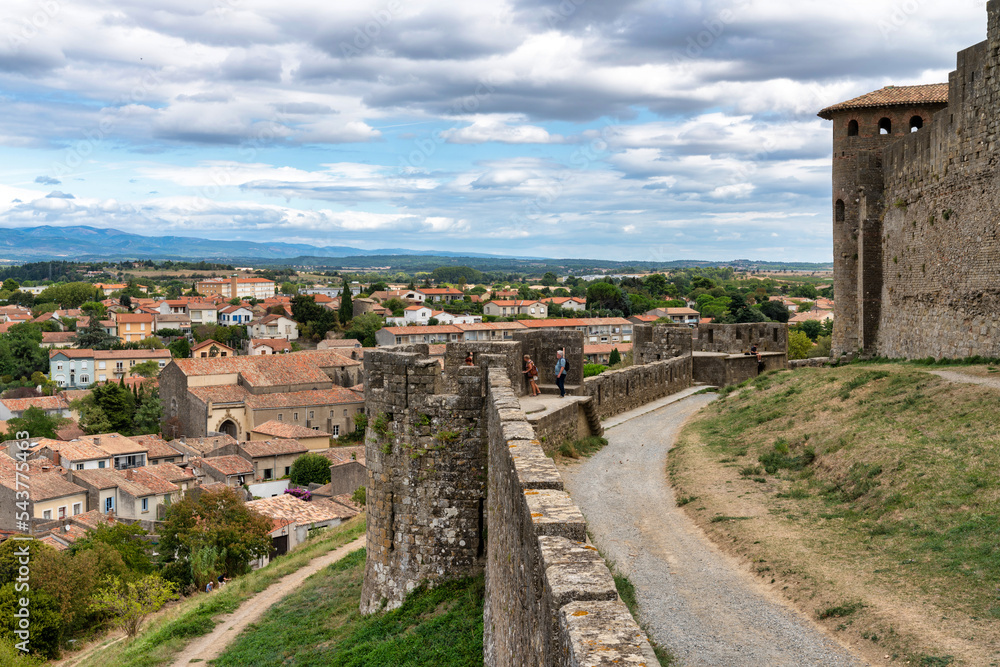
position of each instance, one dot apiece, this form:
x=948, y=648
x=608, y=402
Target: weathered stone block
x=602, y=634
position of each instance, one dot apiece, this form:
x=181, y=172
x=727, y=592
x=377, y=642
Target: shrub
x=590, y=370
x=310, y=469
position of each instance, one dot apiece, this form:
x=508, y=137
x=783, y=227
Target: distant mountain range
x=82, y=242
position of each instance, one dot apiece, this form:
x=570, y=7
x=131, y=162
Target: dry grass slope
x=867, y=495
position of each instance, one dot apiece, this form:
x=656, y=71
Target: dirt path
x=213, y=644
x=696, y=601
x=966, y=378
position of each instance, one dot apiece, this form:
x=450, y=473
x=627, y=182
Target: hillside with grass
x=164, y=637
x=320, y=624
x=868, y=495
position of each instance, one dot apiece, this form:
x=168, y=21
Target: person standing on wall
x=531, y=372
x=561, y=373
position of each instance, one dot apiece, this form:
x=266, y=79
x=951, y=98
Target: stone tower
x=862, y=129
x=426, y=460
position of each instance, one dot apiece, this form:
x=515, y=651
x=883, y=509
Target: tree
x=656, y=284
x=822, y=347
x=146, y=369
x=69, y=295
x=346, y=312
x=798, y=345
x=218, y=519
x=36, y=422
x=46, y=623
x=26, y=299
x=148, y=414
x=10, y=285
x=397, y=306
x=20, y=351
x=775, y=311
x=118, y=404
x=94, y=421
x=310, y=469
x=180, y=348
x=125, y=300
x=128, y=603
x=805, y=291
x=94, y=337
x=615, y=357
x=550, y=279
x=811, y=328
x=605, y=296
x=805, y=306
x=314, y=319
x=363, y=328
x=169, y=333
x=124, y=538
x=454, y=274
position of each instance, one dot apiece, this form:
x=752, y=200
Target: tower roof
x=931, y=93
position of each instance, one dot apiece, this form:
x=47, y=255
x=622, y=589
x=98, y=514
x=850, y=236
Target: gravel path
x=958, y=376
x=211, y=646
x=695, y=600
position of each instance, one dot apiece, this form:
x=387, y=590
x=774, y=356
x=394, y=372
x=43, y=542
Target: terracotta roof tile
x=287, y=430
x=77, y=451
x=106, y=479
x=416, y=331
x=57, y=402
x=115, y=444
x=275, y=447
x=287, y=507
x=45, y=486
x=932, y=93
x=341, y=455
x=270, y=370
x=276, y=344
x=157, y=447
x=229, y=465
x=605, y=348
x=293, y=399
x=171, y=473
x=58, y=337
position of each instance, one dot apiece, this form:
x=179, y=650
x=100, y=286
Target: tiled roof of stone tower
x=931, y=93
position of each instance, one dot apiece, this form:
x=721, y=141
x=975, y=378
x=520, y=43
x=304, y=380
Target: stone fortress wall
x=458, y=484
x=916, y=253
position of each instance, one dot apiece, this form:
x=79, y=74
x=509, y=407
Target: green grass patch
x=166, y=636
x=583, y=447
x=719, y=518
x=320, y=624
x=840, y=611
x=886, y=462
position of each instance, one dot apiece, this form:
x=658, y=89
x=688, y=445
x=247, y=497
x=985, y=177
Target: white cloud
x=486, y=130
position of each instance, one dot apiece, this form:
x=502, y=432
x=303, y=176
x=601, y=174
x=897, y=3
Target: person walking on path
x=531, y=371
x=561, y=373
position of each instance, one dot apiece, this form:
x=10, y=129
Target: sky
x=624, y=130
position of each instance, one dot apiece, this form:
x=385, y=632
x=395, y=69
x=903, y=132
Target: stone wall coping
x=602, y=634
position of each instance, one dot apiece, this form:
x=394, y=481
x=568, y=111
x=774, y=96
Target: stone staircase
x=593, y=421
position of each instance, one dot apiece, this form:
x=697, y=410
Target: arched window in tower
x=839, y=211
x=885, y=126
x=852, y=128
x=916, y=123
